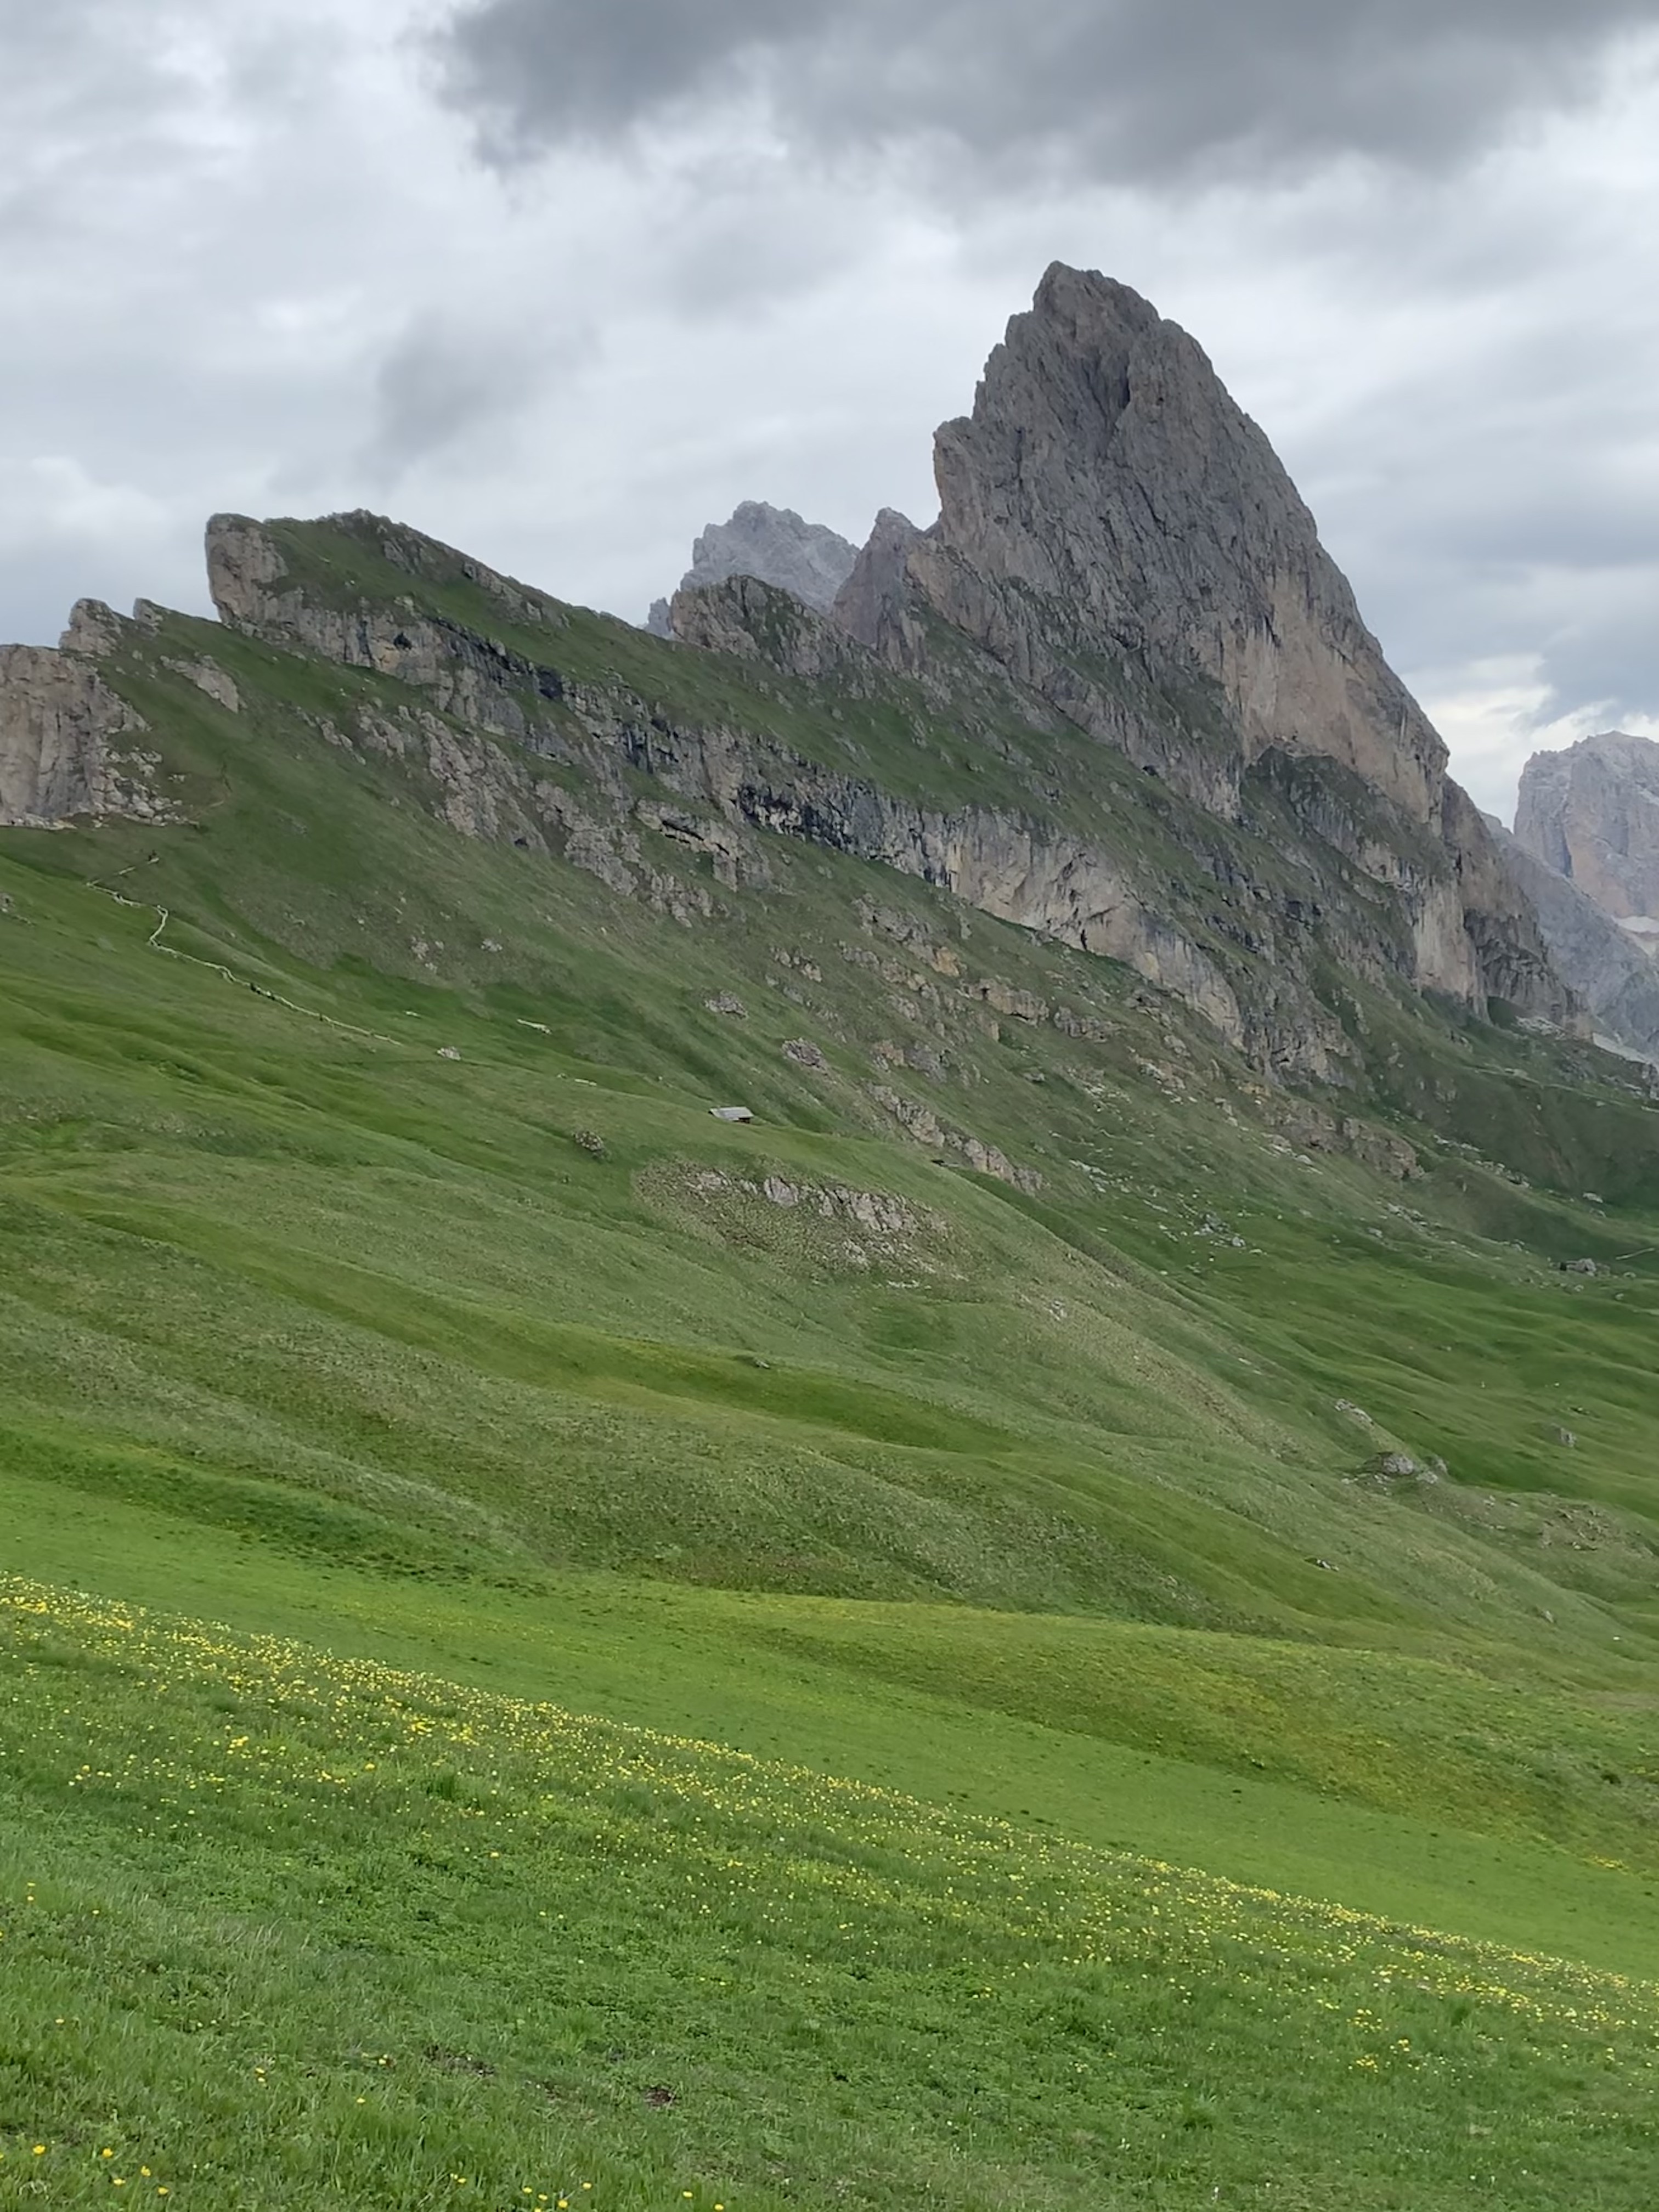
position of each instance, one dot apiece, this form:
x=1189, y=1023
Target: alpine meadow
x=851, y=1407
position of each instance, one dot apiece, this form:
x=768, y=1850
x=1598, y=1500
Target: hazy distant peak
x=1591, y=812
x=774, y=544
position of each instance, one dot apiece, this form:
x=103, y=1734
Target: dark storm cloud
x=1127, y=89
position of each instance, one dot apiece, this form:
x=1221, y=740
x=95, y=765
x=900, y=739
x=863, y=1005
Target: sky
x=563, y=281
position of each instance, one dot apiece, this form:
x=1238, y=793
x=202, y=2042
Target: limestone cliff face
x=68, y=745
x=870, y=604
x=1592, y=813
x=1121, y=537
x=1019, y=868
x=775, y=546
x=755, y=620
x=1107, y=493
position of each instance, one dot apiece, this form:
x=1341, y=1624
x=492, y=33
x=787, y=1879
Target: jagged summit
x=1591, y=812
x=1106, y=474
x=774, y=544
x=1121, y=537
x=874, y=589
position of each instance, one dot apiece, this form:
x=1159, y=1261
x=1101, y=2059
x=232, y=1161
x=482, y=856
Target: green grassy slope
x=1047, y=1506
x=287, y=1930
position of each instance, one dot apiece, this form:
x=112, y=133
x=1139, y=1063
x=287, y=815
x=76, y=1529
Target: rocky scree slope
x=1122, y=538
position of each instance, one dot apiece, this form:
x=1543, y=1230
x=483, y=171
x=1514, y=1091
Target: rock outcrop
x=755, y=620
x=1107, y=496
x=469, y=673
x=1602, y=963
x=1592, y=813
x=69, y=747
x=1122, y=538
x=773, y=544
x=869, y=604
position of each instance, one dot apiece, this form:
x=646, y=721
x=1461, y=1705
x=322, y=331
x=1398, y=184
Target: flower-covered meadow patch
x=316, y=1931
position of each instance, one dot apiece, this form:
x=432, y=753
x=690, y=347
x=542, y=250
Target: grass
x=537, y=1953
x=946, y=1538
x=828, y=1686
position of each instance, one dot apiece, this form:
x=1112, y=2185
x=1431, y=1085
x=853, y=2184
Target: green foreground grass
x=1347, y=1813
x=282, y=1929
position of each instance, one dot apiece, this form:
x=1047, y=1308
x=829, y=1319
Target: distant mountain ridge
x=1119, y=694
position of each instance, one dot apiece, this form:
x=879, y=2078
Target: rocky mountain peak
x=1122, y=578
x=775, y=545
x=1107, y=496
x=1591, y=812
x=1118, y=536
x=873, y=592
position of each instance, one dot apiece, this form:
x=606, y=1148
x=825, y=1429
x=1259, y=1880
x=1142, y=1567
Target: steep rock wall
x=1122, y=538
x=69, y=747
x=1605, y=966
x=1251, y=968
x=1592, y=813
x=1020, y=870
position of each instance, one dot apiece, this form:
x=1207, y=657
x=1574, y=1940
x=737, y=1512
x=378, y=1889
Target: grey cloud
x=1528, y=525
x=1600, y=651
x=40, y=43
x=251, y=265
x=83, y=91
x=1144, y=89
x=446, y=380
x=433, y=386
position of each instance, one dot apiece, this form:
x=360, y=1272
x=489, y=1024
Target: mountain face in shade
x=1591, y=812
x=1119, y=537
x=773, y=544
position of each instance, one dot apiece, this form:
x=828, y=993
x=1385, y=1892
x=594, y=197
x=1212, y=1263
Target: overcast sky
x=563, y=281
